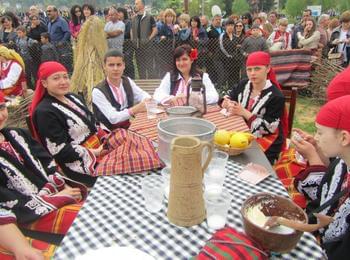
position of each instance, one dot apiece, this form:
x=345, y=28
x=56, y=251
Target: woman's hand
x=28, y=253
x=306, y=136
x=97, y=151
x=179, y=100
x=236, y=108
x=226, y=102
x=69, y=191
x=307, y=150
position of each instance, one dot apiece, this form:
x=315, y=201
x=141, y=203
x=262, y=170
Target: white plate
x=115, y=252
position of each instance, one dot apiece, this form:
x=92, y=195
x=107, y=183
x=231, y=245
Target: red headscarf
x=46, y=69
x=339, y=86
x=260, y=58
x=335, y=114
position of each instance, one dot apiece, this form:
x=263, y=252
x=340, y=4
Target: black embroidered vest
x=105, y=89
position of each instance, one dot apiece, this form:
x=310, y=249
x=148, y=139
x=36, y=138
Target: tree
x=266, y=5
x=228, y=7
x=326, y=4
x=240, y=7
x=295, y=7
x=343, y=5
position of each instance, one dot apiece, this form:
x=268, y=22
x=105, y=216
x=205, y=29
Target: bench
x=148, y=85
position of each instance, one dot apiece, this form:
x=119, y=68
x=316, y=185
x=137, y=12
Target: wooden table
x=148, y=127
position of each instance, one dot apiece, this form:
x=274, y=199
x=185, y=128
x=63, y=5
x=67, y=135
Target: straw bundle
x=90, y=49
x=324, y=71
x=18, y=113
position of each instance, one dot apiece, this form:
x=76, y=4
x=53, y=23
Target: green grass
x=305, y=113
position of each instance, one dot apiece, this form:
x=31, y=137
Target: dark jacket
x=267, y=114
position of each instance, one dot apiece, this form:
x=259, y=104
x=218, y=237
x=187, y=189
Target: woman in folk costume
x=68, y=130
x=297, y=158
x=260, y=102
x=12, y=77
x=64, y=125
x=173, y=87
x=320, y=183
x=33, y=195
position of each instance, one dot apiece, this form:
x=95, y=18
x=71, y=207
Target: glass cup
x=153, y=192
x=215, y=175
x=152, y=109
x=166, y=177
x=217, y=209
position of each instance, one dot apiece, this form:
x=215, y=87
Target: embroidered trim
x=9, y=204
x=85, y=165
x=53, y=147
x=261, y=102
x=246, y=93
x=25, y=146
x=77, y=129
x=39, y=206
x=17, y=181
x=340, y=225
x=328, y=192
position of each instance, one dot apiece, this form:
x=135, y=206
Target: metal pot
x=189, y=126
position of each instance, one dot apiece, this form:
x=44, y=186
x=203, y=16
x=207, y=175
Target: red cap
x=339, y=86
x=335, y=114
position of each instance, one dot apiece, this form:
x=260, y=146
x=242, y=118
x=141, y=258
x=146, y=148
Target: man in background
x=60, y=37
x=143, y=30
x=114, y=30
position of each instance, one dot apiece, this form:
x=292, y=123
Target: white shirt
x=341, y=48
x=161, y=94
x=12, y=77
x=117, y=41
x=106, y=108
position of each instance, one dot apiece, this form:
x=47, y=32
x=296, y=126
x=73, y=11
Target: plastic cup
x=153, y=192
x=217, y=208
x=166, y=177
x=215, y=175
x=152, y=109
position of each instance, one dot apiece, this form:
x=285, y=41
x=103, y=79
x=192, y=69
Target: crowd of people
x=148, y=41
x=67, y=137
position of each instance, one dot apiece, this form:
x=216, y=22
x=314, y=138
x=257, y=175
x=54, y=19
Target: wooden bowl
x=230, y=150
x=273, y=205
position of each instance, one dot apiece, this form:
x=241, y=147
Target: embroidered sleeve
x=308, y=180
x=267, y=116
x=58, y=141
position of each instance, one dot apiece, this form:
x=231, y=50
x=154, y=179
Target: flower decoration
x=194, y=54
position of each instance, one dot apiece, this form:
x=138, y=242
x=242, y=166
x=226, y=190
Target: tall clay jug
x=186, y=204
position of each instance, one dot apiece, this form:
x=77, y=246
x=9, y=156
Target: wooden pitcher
x=186, y=204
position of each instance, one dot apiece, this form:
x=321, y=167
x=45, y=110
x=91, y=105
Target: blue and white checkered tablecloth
x=114, y=214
